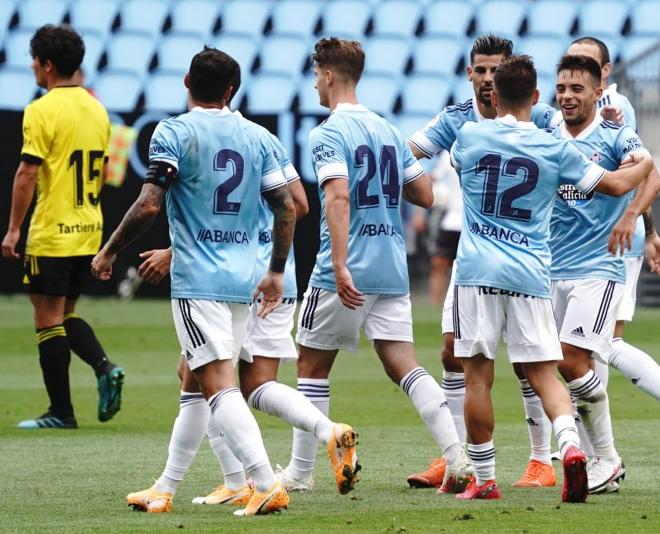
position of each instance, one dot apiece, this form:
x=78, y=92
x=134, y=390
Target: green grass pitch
x=76, y=481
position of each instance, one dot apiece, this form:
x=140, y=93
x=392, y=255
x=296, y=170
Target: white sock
x=603, y=372
x=303, y=449
x=636, y=366
x=585, y=442
x=187, y=434
x=431, y=404
x=483, y=461
x=453, y=385
x=566, y=433
x=232, y=468
x=538, y=424
x=594, y=409
x=241, y=432
x=293, y=407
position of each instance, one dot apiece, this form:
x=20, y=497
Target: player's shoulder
x=609, y=125
x=461, y=108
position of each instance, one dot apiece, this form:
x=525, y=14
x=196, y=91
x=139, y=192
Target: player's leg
x=439, y=278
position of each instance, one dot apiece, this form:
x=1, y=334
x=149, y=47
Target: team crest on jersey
x=595, y=157
x=572, y=196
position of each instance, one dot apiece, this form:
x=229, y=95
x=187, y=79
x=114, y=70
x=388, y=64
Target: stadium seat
x=408, y=123
x=246, y=16
x=130, y=52
x=144, y=16
x=94, y=47
x=164, y=91
x=462, y=90
x=551, y=17
x=378, y=93
x=295, y=17
x=634, y=46
x=396, y=18
x=7, y=9
x=270, y=93
x=309, y=97
x=448, y=17
x=176, y=51
x=94, y=16
x=195, y=17
x=546, y=52
x=425, y=94
x=243, y=48
x=386, y=55
x=118, y=91
x=284, y=55
x=437, y=55
x=17, y=88
x=645, y=18
x=603, y=17
x=17, y=48
x=33, y=14
x=546, y=84
x=502, y=17
x=346, y=19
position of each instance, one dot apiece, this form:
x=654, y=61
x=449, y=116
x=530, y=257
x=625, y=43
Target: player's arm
x=618, y=183
x=417, y=152
x=652, y=242
x=299, y=198
x=437, y=135
x=22, y=192
x=417, y=185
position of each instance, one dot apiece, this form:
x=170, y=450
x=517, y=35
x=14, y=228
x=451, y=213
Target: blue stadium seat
x=94, y=16
x=603, y=17
x=346, y=19
x=144, y=16
x=309, y=97
x=378, y=92
x=546, y=84
x=438, y=55
x=502, y=17
x=196, y=17
x=35, y=13
x=634, y=46
x=462, y=89
x=94, y=47
x=285, y=55
x=448, y=17
x=165, y=92
x=17, y=88
x=296, y=17
x=7, y=9
x=270, y=93
x=130, y=52
x=17, y=48
x=396, y=17
x=118, y=91
x=386, y=55
x=546, y=52
x=176, y=51
x=409, y=123
x=646, y=18
x=551, y=17
x=425, y=94
x=243, y=48
x=246, y=16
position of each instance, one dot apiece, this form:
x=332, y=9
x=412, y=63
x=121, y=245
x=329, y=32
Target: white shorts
x=482, y=315
x=209, y=330
x=585, y=311
x=626, y=309
x=324, y=323
x=271, y=336
x=448, y=306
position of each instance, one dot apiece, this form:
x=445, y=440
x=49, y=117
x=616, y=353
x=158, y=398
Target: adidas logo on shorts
x=578, y=332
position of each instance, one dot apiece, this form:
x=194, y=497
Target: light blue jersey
x=357, y=144
x=440, y=133
x=611, y=97
x=224, y=162
x=510, y=172
x=582, y=223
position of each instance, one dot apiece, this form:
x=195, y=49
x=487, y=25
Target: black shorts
x=60, y=277
x=443, y=244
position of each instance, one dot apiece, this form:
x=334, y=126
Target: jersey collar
x=584, y=133
x=343, y=106
x=212, y=111
x=477, y=113
x=611, y=90
x=510, y=120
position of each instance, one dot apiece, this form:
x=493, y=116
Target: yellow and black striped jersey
x=66, y=132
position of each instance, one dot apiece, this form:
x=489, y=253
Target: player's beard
x=483, y=97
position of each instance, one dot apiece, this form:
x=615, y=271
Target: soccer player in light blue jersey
x=214, y=166
x=360, y=279
x=510, y=172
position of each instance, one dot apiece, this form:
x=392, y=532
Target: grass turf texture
x=76, y=481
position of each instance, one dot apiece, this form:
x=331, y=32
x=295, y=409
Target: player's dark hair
x=59, y=44
x=211, y=73
x=515, y=80
x=235, y=83
x=579, y=63
x=491, y=45
x=604, y=51
x=347, y=57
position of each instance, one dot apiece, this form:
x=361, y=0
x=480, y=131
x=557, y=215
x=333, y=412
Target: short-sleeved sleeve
x=290, y=172
x=411, y=167
x=438, y=135
x=271, y=172
x=328, y=155
x=456, y=154
x=628, y=142
x=577, y=170
x=629, y=114
x=37, y=138
x=164, y=145
x=545, y=116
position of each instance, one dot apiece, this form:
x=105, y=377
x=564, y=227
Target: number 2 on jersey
x=77, y=161
x=389, y=176
x=221, y=204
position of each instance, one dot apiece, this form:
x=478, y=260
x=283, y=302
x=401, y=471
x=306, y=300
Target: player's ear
x=493, y=99
x=535, y=96
x=598, y=93
x=186, y=80
x=228, y=94
x=606, y=70
x=469, y=72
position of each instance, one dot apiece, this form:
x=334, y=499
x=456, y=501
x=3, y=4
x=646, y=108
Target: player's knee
x=450, y=362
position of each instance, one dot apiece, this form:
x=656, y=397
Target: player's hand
x=652, y=253
x=102, y=264
x=271, y=287
x=348, y=294
x=156, y=265
x=612, y=114
x=9, y=244
x=622, y=235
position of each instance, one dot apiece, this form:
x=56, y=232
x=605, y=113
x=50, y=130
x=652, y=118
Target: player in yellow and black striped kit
x=65, y=139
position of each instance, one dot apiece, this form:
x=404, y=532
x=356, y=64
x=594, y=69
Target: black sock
x=54, y=357
x=84, y=343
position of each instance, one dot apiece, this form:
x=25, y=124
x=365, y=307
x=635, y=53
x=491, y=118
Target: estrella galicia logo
x=572, y=196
